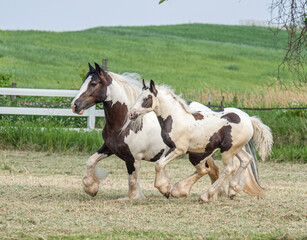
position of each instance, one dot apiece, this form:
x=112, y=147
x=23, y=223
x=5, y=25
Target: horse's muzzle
x=76, y=110
x=133, y=115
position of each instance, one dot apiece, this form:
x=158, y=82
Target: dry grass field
x=41, y=197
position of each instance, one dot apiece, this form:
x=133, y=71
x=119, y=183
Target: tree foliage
x=291, y=16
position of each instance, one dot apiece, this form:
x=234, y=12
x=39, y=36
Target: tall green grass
x=36, y=137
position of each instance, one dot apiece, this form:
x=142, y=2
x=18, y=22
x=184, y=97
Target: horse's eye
x=93, y=84
x=145, y=99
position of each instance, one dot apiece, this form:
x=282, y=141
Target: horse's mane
x=168, y=90
x=130, y=83
x=128, y=79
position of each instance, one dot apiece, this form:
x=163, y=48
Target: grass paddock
x=41, y=197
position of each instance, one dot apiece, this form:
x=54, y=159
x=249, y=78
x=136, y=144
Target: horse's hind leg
x=234, y=185
x=183, y=187
x=91, y=180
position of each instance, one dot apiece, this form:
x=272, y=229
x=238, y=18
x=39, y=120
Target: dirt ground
x=41, y=196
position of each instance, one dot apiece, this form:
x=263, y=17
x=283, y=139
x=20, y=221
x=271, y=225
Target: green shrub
x=5, y=79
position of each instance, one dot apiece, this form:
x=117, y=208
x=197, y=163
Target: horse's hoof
x=204, y=198
x=91, y=193
x=232, y=196
x=231, y=193
x=167, y=195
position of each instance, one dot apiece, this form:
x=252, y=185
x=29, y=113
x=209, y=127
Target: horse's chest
x=115, y=142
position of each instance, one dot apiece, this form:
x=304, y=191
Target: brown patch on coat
x=157, y=156
x=113, y=137
x=221, y=139
x=166, y=128
x=214, y=169
x=198, y=116
x=232, y=118
x=195, y=158
x=147, y=103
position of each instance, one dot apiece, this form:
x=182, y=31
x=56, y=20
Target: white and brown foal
x=201, y=134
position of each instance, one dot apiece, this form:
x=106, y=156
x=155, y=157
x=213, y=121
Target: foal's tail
x=263, y=141
x=262, y=138
x=250, y=178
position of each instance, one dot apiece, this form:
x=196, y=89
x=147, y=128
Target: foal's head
x=93, y=89
x=146, y=101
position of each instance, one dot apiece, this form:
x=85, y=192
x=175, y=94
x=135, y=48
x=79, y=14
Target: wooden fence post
x=105, y=64
x=13, y=97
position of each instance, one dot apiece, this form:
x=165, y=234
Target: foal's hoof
x=232, y=196
x=232, y=193
x=91, y=192
x=204, y=198
x=167, y=195
x=179, y=192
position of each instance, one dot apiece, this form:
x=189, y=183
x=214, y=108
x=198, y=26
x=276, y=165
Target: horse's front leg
x=211, y=193
x=162, y=181
x=135, y=191
x=92, y=175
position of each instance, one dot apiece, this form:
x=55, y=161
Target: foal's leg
x=162, y=180
x=135, y=191
x=211, y=193
x=183, y=187
x=234, y=185
x=90, y=180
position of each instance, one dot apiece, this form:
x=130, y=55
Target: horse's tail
x=262, y=138
x=250, y=178
x=101, y=174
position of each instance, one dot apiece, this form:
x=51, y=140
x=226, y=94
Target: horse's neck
x=119, y=100
x=123, y=93
x=168, y=105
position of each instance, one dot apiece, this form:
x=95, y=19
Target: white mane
x=168, y=90
x=130, y=85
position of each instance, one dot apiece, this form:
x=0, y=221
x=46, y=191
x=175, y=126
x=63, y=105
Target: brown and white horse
x=202, y=133
x=132, y=144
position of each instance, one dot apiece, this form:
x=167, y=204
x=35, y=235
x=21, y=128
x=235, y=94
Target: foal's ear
x=153, y=88
x=144, y=85
x=90, y=67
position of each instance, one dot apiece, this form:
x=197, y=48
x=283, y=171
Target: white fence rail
x=90, y=113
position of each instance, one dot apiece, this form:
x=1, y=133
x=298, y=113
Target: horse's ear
x=153, y=88
x=98, y=68
x=144, y=85
x=90, y=67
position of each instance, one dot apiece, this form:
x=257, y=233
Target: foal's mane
x=168, y=90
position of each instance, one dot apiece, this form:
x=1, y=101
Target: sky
x=70, y=15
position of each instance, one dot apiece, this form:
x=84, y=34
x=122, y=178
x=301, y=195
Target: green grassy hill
x=184, y=56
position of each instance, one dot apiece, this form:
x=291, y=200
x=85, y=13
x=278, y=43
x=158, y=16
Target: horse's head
x=93, y=89
x=146, y=101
